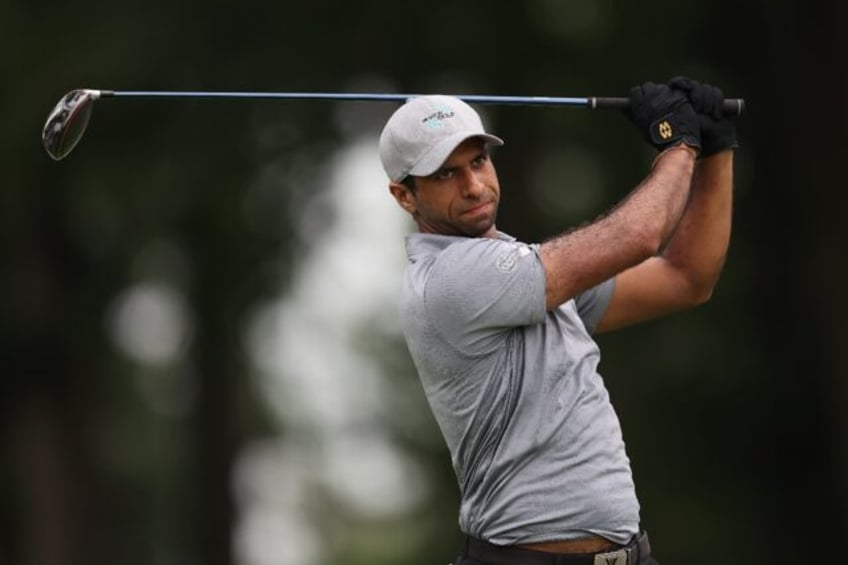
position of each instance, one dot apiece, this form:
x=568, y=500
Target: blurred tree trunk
x=225, y=257
x=214, y=427
x=56, y=485
x=49, y=386
x=802, y=236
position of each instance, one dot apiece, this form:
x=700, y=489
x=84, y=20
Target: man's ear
x=403, y=195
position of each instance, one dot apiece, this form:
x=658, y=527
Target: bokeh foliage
x=733, y=414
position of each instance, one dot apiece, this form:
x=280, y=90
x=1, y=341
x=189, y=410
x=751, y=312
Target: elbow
x=702, y=296
x=702, y=283
x=699, y=292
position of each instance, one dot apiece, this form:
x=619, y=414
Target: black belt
x=493, y=554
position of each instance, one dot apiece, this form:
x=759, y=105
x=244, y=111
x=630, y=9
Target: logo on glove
x=664, y=129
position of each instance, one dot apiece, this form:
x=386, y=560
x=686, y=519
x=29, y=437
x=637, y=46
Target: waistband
x=638, y=548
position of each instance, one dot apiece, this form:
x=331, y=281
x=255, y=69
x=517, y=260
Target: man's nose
x=472, y=184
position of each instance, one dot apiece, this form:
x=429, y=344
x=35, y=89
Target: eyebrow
x=484, y=152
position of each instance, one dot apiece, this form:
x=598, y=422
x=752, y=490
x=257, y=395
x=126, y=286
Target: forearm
x=637, y=228
x=698, y=247
x=657, y=205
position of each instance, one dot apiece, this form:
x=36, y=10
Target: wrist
x=716, y=148
x=679, y=148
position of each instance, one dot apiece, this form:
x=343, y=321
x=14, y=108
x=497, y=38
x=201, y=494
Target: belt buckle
x=617, y=557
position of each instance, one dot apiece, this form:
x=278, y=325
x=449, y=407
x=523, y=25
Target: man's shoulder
x=465, y=268
x=426, y=244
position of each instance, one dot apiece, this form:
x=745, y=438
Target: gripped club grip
x=731, y=106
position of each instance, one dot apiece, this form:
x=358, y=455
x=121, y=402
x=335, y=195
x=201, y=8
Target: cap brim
x=436, y=157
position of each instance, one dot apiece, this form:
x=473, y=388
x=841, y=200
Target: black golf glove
x=718, y=131
x=664, y=116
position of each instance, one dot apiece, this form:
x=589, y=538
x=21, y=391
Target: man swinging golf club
x=500, y=331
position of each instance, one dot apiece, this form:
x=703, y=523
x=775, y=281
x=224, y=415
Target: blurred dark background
x=147, y=415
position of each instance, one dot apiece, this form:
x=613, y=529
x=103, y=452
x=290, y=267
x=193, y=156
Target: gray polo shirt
x=535, y=443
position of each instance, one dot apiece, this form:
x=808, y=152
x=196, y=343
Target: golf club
x=67, y=122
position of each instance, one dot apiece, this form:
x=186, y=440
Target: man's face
x=461, y=198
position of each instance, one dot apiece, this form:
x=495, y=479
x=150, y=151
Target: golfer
x=500, y=331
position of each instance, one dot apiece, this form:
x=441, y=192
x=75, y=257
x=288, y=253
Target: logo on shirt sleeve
x=507, y=261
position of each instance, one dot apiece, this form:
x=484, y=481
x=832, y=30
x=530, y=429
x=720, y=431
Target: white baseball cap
x=421, y=135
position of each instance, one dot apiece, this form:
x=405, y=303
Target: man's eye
x=444, y=174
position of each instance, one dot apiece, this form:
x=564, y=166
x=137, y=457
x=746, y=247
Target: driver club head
x=67, y=122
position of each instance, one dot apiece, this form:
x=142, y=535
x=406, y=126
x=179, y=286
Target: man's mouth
x=480, y=208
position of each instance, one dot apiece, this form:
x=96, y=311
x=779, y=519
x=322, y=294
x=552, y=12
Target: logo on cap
x=436, y=119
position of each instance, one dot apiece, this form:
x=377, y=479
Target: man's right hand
x=664, y=116
x=718, y=131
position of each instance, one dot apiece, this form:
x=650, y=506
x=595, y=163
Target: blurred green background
x=200, y=359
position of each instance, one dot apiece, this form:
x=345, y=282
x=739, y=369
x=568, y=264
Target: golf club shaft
x=67, y=121
x=732, y=106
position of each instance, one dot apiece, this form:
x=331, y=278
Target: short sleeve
x=480, y=287
x=592, y=303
